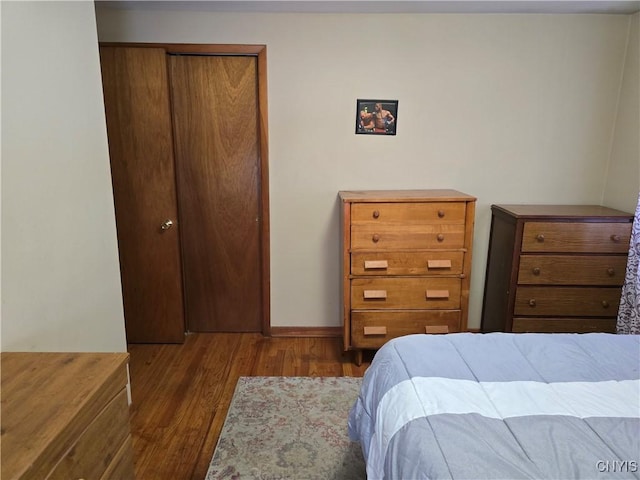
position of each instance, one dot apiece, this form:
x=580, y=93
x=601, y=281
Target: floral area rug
x=291, y=428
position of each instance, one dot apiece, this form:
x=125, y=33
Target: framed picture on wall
x=376, y=117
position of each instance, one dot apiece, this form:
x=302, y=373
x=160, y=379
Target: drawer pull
x=441, y=213
x=375, y=238
x=605, y=304
x=615, y=238
x=532, y=302
x=375, y=330
x=440, y=237
x=540, y=237
x=437, y=293
x=611, y=272
x=536, y=270
x=373, y=264
x=375, y=214
x=436, y=329
x=438, y=264
x=375, y=294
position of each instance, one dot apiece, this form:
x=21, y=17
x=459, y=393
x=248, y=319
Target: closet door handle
x=166, y=225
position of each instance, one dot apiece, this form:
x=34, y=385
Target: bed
x=501, y=406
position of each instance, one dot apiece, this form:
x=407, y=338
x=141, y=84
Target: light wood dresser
x=555, y=268
x=406, y=258
x=65, y=416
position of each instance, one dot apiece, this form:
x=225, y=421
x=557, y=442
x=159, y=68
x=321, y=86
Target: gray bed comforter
x=501, y=406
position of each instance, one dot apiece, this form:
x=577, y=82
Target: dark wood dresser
x=406, y=258
x=555, y=268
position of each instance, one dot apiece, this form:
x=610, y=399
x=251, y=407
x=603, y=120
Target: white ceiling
x=385, y=6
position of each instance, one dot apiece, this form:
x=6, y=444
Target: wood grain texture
x=265, y=232
x=398, y=323
x=549, y=261
x=48, y=401
x=215, y=113
x=306, y=331
x=578, y=237
x=404, y=250
x=98, y=444
x=136, y=96
x=196, y=48
x=567, y=301
x=564, y=212
x=258, y=54
x=465, y=284
x=404, y=292
x=564, y=325
x=433, y=195
x=122, y=465
x=181, y=393
x=345, y=245
x=435, y=213
x=572, y=269
x=384, y=237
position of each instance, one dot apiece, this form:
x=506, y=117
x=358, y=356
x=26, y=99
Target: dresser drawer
x=408, y=213
x=98, y=444
x=385, y=237
x=121, y=467
x=405, y=292
x=576, y=237
x=407, y=263
x=564, y=325
x=567, y=301
x=572, y=270
x=373, y=329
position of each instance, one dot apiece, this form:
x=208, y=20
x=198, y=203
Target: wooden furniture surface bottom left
x=65, y=416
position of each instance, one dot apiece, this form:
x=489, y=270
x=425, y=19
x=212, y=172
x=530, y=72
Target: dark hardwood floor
x=181, y=393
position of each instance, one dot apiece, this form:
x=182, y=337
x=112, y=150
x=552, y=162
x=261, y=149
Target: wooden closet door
x=137, y=106
x=215, y=115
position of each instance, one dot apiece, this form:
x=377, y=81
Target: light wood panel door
x=137, y=107
x=215, y=118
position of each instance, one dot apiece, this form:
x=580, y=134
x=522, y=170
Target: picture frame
x=376, y=117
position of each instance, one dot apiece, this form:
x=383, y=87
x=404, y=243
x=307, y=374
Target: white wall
x=60, y=274
x=509, y=108
x=623, y=177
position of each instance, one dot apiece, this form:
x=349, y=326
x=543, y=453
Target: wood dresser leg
x=358, y=359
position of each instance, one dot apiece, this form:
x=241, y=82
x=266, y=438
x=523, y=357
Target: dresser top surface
x=560, y=211
x=439, y=195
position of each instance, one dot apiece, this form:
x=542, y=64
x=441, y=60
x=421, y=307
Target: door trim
x=259, y=51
